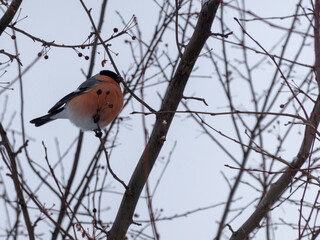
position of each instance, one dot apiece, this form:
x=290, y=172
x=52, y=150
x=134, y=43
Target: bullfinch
x=94, y=105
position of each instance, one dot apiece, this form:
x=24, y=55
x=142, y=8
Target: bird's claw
x=98, y=133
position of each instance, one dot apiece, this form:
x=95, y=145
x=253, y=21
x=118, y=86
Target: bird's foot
x=98, y=133
x=96, y=117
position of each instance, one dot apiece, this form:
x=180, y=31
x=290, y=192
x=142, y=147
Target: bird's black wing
x=84, y=87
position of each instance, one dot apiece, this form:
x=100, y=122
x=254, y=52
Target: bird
x=91, y=107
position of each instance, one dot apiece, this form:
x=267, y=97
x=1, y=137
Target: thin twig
x=109, y=166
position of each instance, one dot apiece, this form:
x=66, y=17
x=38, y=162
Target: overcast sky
x=193, y=177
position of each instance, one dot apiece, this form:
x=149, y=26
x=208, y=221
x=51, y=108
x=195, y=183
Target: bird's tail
x=45, y=119
x=42, y=120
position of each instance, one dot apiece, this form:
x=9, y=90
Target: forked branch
x=170, y=102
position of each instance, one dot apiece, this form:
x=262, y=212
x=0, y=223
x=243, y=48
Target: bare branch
x=170, y=102
x=9, y=14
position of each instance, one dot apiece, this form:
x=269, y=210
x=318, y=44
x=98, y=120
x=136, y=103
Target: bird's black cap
x=111, y=74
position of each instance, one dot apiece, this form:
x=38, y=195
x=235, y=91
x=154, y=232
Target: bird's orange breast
x=103, y=101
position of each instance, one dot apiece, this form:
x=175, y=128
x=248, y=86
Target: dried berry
x=115, y=30
x=104, y=61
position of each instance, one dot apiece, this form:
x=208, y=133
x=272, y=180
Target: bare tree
x=262, y=127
